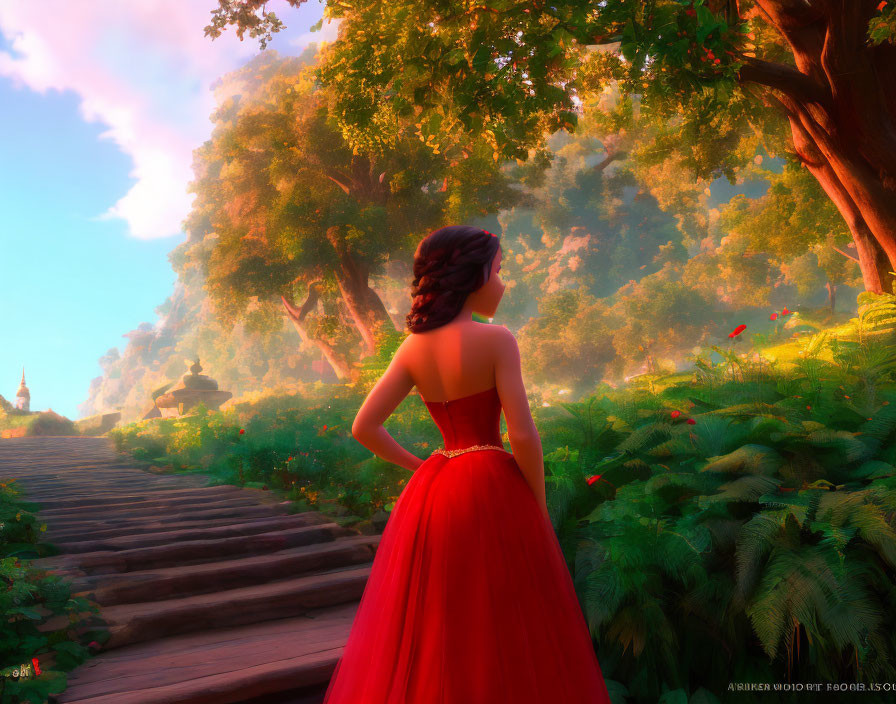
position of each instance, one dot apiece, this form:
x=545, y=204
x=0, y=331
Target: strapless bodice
x=469, y=420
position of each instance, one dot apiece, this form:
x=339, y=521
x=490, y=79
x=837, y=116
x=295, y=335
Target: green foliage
x=882, y=27
x=29, y=597
x=752, y=543
x=756, y=540
x=285, y=201
x=299, y=446
x=52, y=424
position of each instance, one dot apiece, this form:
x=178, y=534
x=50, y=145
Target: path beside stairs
x=212, y=594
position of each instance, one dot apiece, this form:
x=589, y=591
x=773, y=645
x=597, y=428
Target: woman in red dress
x=469, y=599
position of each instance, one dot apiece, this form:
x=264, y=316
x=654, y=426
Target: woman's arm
x=524, y=439
x=384, y=397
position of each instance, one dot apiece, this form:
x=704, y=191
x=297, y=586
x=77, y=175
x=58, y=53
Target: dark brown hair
x=449, y=265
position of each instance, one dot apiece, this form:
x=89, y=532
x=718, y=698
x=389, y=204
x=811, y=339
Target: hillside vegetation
x=733, y=523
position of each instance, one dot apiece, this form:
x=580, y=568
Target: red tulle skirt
x=469, y=600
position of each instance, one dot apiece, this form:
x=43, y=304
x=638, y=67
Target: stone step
x=188, y=580
x=150, y=620
x=127, y=497
x=253, y=663
x=150, y=508
x=210, y=593
x=196, y=515
x=194, y=552
x=194, y=532
x=61, y=537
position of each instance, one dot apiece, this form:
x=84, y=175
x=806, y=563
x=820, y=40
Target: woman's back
x=464, y=358
x=454, y=360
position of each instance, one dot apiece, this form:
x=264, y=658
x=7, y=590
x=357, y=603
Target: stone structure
x=23, y=395
x=99, y=424
x=194, y=388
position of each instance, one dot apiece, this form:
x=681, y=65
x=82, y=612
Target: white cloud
x=143, y=68
x=327, y=33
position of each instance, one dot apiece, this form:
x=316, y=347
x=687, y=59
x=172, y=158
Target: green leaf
x=703, y=696
x=705, y=17
x=704, y=30
x=629, y=44
x=455, y=56
x=676, y=696
x=748, y=459
x=27, y=612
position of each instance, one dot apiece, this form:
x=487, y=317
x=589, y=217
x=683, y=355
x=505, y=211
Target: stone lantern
x=194, y=388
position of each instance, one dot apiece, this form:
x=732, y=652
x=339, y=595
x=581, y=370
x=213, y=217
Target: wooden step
x=180, y=581
x=62, y=537
x=196, y=532
x=137, y=623
x=150, y=508
x=196, y=515
x=195, y=552
x=110, y=499
x=210, y=593
x=223, y=666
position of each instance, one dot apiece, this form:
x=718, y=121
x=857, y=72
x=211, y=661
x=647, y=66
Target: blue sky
x=100, y=114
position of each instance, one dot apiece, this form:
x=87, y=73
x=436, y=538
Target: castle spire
x=23, y=395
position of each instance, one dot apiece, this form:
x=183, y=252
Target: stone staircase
x=211, y=594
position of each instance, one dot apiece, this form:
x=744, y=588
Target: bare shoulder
x=500, y=339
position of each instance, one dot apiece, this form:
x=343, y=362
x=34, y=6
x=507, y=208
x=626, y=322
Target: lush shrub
x=28, y=598
x=737, y=526
x=50, y=423
x=300, y=446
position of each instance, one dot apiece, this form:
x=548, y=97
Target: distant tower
x=23, y=395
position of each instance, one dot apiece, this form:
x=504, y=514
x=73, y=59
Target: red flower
x=691, y=421
x=325, y=427
x=882, y=5
x=289, y=460
x=785, y=311
x=598, y=477
x=773, y=316
x=242, y=431
x=737, y=331
x=675, y=414
x=808, y=408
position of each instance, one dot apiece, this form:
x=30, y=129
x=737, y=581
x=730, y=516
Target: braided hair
x=449, y=264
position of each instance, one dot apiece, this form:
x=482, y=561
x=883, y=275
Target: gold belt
x=454, y=453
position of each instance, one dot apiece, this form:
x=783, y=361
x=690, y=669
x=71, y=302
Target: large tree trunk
x=841, y=103
x=364, y=305
x=873, y=261
x=341, y=365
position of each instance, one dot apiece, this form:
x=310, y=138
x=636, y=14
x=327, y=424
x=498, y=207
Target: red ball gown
x=469, y=599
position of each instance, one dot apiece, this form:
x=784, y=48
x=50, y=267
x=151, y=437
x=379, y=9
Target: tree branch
x=785, y=79
x=791, y=15
x=298, y=314
x=848, y=256
x=339, y=183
